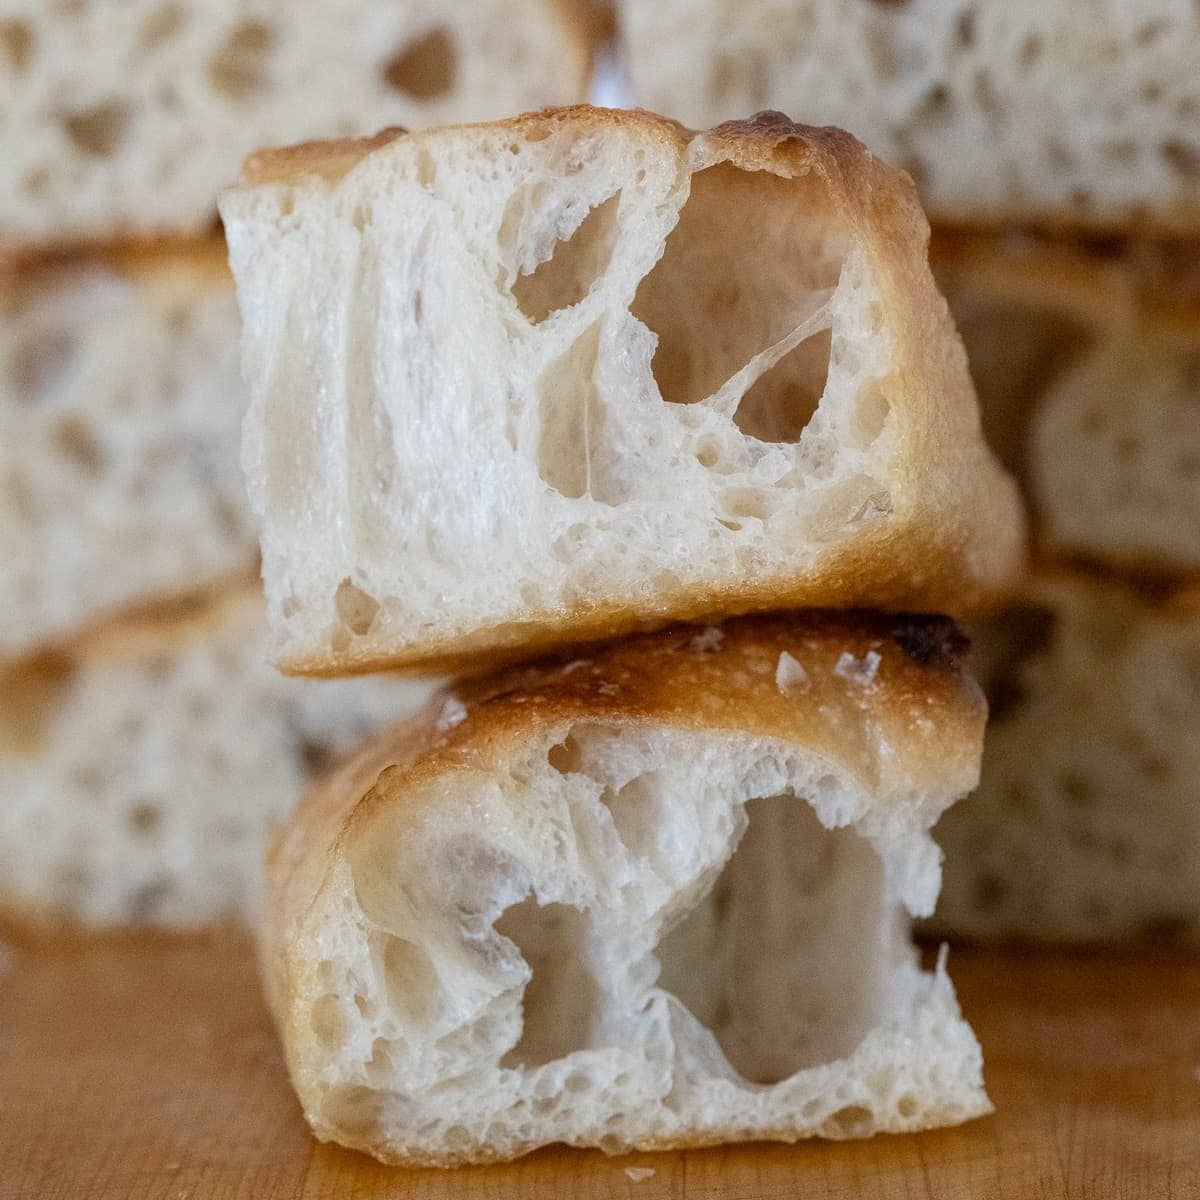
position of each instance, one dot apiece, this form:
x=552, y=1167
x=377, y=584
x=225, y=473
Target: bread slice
x=127, y=116
x=1066, y=114
x=1086, y=825
x=143, y=767
x=572, y=374
x=656, y=897
x=120, y=409
x=1087, y=365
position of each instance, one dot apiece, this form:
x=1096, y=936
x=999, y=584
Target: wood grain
x=145, y=1068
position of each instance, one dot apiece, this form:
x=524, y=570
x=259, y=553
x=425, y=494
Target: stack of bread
x=146, y=749
x=524, y=397
x=1056, y=145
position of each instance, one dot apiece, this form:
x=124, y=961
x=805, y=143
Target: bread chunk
x=121, y=403
x=126, y=117
x=1086, y=825
x=655, y=897
x=144, y=766
x=583, y=372
x=1069, y=115
x=1087, y=365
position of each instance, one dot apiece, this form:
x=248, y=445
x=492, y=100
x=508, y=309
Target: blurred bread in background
x=144, y=766
x=1086, y=361
x=122, y=117
x=1086, y=823
x=121, y=405
x=1064, y=114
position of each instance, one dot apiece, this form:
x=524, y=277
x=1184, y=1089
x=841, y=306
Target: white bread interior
x=1086, y=823
x=144, y=767
x=576, y=373
x=653, y=898
x=122, y=117
x=1065, y=114
x=1087, y=367
x=120, y=410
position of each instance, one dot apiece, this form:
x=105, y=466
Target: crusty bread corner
x=952, y=532
x=880, y=707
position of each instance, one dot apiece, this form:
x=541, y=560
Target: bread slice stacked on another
x=1065, y=114
x=520, y=384
x=1086, y=825
x=125, y=117
x=534, y=384
x=655, y=897
x=144, y=766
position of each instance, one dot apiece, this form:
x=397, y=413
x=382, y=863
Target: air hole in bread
x=853, y=1121
x=752, y=259
x=572, y=418
x=1017, y=352
x=1182, y=157
x=16, y=43
x=561, y=999
x=38, y=363
x=356, y=609
x=572, y=264
x=161, y=24
x=238, y=70
x=413, y=988
x=781, y=960
x=780, y=403
x=97, y=132
x=424, y=69
x=77, y=443
x=849, y=506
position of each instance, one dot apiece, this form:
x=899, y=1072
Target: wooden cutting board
x=142, y=1068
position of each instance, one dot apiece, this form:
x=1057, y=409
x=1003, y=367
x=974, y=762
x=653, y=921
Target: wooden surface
x=143, y=1068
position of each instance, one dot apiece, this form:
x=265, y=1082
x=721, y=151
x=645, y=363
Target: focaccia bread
x=122, y=117
x=1065, y=114
x=1086, y=824
x=561, y=377
x=144, y=766
x=654, y=897
x=1087, y=365
x=121, y=403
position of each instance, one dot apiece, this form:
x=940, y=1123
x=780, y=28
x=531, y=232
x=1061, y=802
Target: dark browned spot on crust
x=930, y=641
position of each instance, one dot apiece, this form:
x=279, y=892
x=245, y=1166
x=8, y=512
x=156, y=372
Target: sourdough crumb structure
x=128, y=116
x=143, y=768
x=1086, y=825
x=640, y=899
x=1087, y=366
x=1081, y=114
x=584, y=371
x=120, y=409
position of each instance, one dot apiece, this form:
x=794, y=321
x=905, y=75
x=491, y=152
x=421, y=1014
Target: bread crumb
x=790, y=676
x=638, y=1174
x=708, y=641
x=453, y=713
x=858, y=670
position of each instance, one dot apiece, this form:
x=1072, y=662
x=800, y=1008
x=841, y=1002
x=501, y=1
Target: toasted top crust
x=885, y=697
